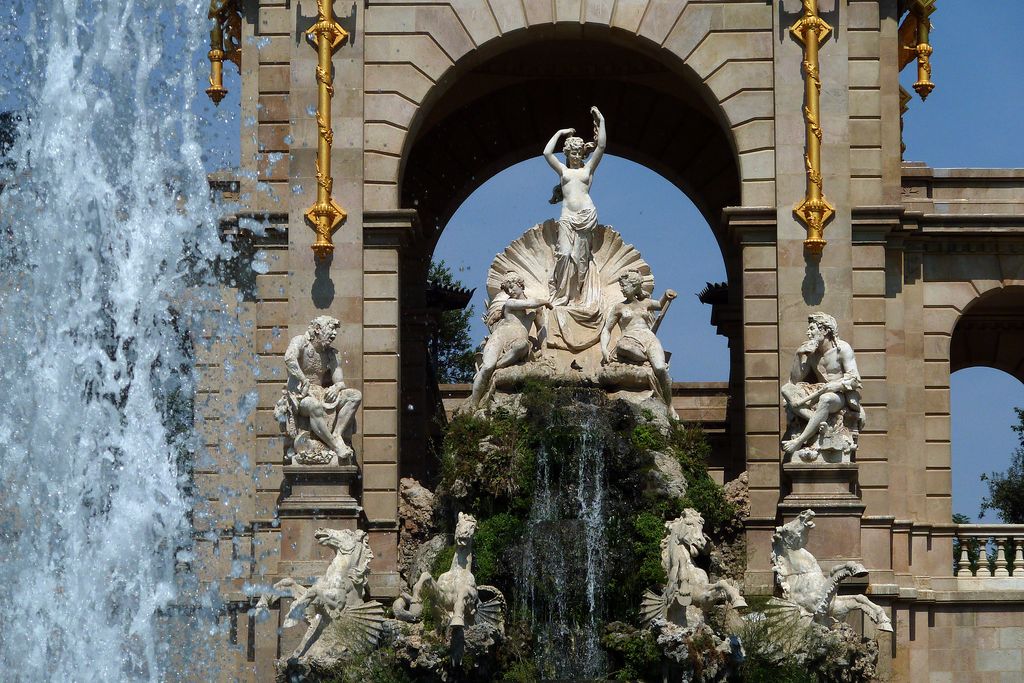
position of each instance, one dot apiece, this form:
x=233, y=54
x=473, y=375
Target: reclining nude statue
x=688, y=594
x=339, y=617
x=460, y=602
x=316, y=410
x=638, y=343
x=509, y=341
x=806, y=589
x=822, y=397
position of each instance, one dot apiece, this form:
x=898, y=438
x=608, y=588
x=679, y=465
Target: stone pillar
x=754, y=231
x=310, y=497
x=386, y=234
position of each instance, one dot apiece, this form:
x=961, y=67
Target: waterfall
x=105, y=224
x=561, y=578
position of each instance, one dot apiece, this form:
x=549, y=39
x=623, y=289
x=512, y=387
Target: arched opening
x=499, y=107
x=987, y=366
x=669, y=231
x=991, y=333
x=982, y=402
x=504, y=109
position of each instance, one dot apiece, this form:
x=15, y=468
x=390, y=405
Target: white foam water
x=108, y=241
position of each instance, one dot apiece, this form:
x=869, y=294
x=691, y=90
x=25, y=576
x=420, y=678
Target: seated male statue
x=317, y=403
x=509, y=340
x=823, y=381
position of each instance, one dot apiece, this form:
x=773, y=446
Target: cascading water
x=106, y=224
x=562, y=575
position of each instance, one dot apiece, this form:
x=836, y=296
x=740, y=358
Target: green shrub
x=494, y=536
x=635, y=653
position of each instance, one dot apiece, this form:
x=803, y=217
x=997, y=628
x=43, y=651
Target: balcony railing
x=989, y=550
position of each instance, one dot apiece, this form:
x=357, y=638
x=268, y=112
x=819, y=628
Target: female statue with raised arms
x=572, y=281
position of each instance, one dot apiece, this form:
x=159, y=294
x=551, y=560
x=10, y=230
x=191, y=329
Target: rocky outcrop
x=416, y=511
x=667, y=476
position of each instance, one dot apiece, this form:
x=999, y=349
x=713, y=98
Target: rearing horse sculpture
x=688, y=593
x=336, y=602
x=457, y=596
x=805, y=586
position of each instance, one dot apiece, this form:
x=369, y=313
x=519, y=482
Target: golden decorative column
x=814, y=211
x=325, y=216
x=915, y=38
x=225, y=43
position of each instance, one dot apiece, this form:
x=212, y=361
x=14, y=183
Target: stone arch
x=427, y=67
x=457, y=91
x=957, y=316
x=990, y=332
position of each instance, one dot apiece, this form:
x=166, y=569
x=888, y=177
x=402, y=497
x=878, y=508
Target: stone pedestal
x=313, y=496
x=830, y=489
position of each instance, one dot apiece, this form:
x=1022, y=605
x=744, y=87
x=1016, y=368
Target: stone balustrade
x=989, y=551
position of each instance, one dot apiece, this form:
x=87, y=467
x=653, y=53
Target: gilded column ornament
x=915, y=42
x=325, y=215
x=922, y=10
x=225, y=43
x=814, y=211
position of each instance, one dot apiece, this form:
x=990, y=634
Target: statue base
x=319, y=490
x=312, y=495
x=830, y=489
x=633, y=383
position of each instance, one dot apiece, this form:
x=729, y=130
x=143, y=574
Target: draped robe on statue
x=575, y=285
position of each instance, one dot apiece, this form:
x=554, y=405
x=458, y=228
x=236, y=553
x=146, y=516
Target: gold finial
x=814, y=211
x=914, y=36
x=325, y=216
x=226, y=17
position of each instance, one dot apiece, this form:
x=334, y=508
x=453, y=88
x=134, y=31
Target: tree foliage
x=1006, y=489
x=452, y=349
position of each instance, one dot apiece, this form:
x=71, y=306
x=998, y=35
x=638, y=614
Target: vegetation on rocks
x=489, y=469
x=782, y=648
x=497, y=467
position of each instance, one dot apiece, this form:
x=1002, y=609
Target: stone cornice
x=398, y=228
x=750, y=224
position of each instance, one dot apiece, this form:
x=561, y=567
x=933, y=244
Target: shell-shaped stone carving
x=532, y=256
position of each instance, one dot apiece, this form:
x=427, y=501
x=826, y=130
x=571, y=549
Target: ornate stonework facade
x=923, y=271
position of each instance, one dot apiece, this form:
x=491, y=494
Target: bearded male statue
x=316, y=410
x=822, y=397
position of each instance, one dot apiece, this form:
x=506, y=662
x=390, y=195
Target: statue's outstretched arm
x=669, y=295
x=602, y=140
x=526, y=304
x=549, y=150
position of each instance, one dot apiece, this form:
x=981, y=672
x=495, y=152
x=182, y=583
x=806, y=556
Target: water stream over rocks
x=562, y=575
